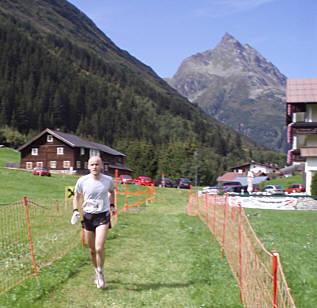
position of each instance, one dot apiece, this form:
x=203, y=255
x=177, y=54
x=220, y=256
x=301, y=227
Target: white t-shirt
x=95, y=193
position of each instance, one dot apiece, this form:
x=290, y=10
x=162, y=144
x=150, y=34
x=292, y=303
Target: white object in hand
x=75, y=217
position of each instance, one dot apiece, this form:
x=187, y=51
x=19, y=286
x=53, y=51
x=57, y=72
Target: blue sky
x=162, y=33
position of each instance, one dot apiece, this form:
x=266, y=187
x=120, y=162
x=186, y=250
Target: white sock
x=98, y=269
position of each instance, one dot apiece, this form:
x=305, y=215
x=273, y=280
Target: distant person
x=98, y=194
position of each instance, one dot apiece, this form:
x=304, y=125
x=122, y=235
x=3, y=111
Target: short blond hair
x=95, y=157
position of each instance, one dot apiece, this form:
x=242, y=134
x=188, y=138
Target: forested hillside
x=101, y=93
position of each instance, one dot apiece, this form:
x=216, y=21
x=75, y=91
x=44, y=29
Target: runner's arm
x=111, y=201
x=76, y=202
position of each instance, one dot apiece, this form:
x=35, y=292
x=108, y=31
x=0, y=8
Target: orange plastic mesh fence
x=52, y=236
x=35, y=235
x=130, y=195
x=250, y=263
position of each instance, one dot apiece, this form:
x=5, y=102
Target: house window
x=94, y=152
x=66, y=164
x=53, y=164
x=78, y=164
x=39, y=164
x=49, y=138
x=106, y=167
x=82, y=151
x=60, y=151
x=35, y=151
x=86, y=164
x=29, y=165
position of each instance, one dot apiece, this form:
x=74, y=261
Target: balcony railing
x=308, y=152
x=304, y=128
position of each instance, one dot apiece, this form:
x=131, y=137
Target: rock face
x=236, y=85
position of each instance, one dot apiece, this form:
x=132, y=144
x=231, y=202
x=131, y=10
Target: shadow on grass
x=114, y=284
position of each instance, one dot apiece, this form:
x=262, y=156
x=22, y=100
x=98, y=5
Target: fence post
x=206, y=209
x=224, y=226
x=240, y=253
x=30, y=238
x=214, y=218
x=116, y=188
x=275, y=255
x=139, y=195
x=126, y=203
x=146, y=195
x=116, y=195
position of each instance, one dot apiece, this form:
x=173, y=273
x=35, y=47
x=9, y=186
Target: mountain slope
x=59, y=71
x=237, y=86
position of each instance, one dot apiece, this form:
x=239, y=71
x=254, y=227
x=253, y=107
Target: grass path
x=156, y=257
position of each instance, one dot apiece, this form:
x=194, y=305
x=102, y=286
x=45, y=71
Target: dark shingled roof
x=75, y=142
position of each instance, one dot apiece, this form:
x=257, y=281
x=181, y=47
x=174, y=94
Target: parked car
x=183, y=183
x=228, y=183
x=295, y=188
x=210, y=190
x=125, y=179
x=41, y=171
x=274, y=190
x=167, y=182
x=256, y=187
x=143, y=180
x=222, y=187
x=234, y=188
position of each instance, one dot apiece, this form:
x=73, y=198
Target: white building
x=301, y=118
x=256, y=168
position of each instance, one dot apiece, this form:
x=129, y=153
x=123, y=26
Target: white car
x=210, y=190
x=274, y=190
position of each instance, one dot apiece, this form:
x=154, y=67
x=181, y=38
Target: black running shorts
x=92, y=221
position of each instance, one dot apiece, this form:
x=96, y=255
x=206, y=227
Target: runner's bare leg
x=100, y=239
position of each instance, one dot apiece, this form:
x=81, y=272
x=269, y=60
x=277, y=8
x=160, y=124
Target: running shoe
x=100, y=280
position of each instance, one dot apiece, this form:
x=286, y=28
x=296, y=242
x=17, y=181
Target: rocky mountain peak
x=229, y=58
x=229, y=40
x=232, y=74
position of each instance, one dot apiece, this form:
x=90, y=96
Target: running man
x=98, y=194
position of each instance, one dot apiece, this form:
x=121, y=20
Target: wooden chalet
x=66, y=153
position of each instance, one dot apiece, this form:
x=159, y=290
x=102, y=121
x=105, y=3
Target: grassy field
x=294, y=235
x=159, y=257
x=286, y=182
x=15, y=184
x=156, y=257
x=8, y=155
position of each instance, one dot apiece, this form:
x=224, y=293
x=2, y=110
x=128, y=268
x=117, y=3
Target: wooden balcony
x=304, y=129
x=308, y=152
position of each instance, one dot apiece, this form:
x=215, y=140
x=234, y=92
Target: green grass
x=286, y=182
x=155, y=257
x=15, y=184
x=159, y=257
x=294, y=235
x=8, y=155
